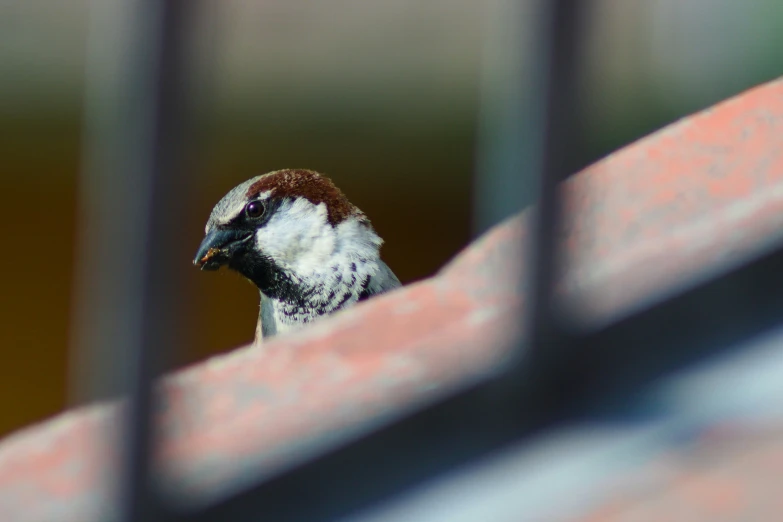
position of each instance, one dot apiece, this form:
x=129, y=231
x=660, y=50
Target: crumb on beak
x=212, y=252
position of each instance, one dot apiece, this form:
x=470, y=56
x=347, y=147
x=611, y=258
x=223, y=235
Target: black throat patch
x=272, y=280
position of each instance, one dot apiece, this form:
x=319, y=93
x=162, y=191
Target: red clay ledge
x=681, y=203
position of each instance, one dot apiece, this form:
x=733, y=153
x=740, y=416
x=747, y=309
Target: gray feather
x=266, y=317
x=381, y=282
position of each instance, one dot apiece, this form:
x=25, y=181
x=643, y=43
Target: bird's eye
x=255, y=209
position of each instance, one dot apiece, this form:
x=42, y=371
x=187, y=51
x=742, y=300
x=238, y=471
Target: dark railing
x=557, y=375
x=134, y=193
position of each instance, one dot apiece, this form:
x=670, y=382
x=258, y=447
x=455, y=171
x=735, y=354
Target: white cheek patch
x=355, y=241
x=298, y=236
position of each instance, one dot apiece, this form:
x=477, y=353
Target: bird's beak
x=218, y=246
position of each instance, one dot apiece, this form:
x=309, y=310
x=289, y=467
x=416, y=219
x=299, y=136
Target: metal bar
x=560, y=147
x=162, y=62
x=133, y=193
x=442, y=437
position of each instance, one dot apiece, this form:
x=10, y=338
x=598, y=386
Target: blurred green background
x=381, y=96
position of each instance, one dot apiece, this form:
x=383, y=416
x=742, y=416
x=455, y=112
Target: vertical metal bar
x=528, y=142
x=130, y=263
x=559, y=153
x=159, y=272
x=545, y=151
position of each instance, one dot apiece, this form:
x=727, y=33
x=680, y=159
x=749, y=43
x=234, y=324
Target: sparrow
x=295, y=235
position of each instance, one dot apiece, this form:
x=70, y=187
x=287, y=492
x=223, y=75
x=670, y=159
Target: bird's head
x=285, y=225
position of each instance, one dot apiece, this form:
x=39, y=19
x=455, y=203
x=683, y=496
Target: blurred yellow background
x=381, y=96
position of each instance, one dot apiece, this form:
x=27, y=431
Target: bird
x=305, y=246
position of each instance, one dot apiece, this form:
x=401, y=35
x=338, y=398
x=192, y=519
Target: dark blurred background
x=382, y=96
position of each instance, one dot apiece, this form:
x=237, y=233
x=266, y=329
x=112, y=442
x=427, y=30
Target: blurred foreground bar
x=132, y=196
